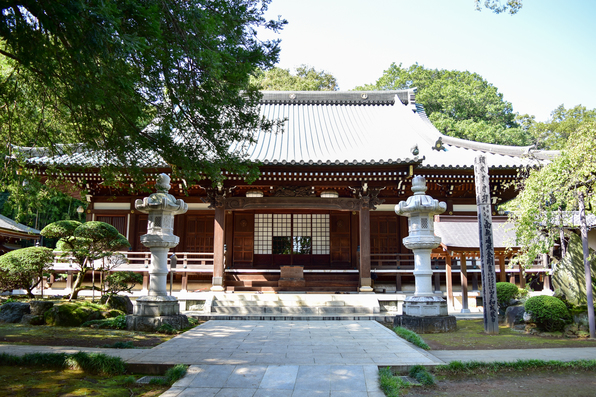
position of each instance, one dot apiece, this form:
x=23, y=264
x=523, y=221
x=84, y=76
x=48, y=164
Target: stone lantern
x=420, y=210
x=157, y=308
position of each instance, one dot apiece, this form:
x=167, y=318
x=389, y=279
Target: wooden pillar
x=397, y=282
x=449, y=279
x=69, y=280
x=145, y=281
x=365, y=279
x=464, y=285
x=218, y=249
x=522, y=277
x=184, y=284
x=502, y=274
x=52, y=278
x=511, y=275
x=437, y=277
x=474, y=276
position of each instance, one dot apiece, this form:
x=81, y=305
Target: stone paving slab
x=278, y=380
x=289, y=342
x=559, y=354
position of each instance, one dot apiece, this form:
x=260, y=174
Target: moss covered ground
x=75, y=336
x=37, y=381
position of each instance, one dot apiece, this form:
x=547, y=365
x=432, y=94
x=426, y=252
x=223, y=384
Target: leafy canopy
x=99, y=73
x=554, y=188
x=85, y=243
x=554, y=133
x=498, y=6
x=459, y=104
x=21, y=269
x=306, y=78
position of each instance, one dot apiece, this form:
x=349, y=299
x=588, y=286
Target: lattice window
x=320, y=234
x=263, y=233
x=424, y=223
x=292, y=234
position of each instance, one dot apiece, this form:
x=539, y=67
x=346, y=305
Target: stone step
x=290, y=310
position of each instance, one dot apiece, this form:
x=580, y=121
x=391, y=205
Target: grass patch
x=176, y=373
x=392, y=386
x=76, y=336
x=422, y=375
x=26, y=381
x=93, y=363
x=470, y=335
x=477, y=367
x=411, y=337
x=120, y=345
x=108, y=323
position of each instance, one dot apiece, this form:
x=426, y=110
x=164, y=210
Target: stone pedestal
x=158, y=308
x=426, y=325
x=291, y=278
x=422, y=306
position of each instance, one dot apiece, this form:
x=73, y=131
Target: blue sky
x=540, y=58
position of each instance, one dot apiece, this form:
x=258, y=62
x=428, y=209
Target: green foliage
x=306, y=78
x=506, y=292
x=392, y=385
x=549, y=313
x=176, y=373
x=411, y=337
x=550, y=192
x=37, y=204
x=167, y=329
x=118, y=322
x=22, y=268
x=478, y=367
x=122, y=282
x=85, y=242
x=554, y=133
x=459, y=104
x=94, y=363
x=120, y=345
x=421, y=374
x=97, y=73
x=569, y=274
x=499, y=6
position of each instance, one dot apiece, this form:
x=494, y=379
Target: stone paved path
x=287, y=343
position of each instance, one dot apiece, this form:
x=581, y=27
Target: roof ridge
x=337, y=97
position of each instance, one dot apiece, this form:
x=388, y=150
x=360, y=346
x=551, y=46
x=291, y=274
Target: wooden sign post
x=487, y=249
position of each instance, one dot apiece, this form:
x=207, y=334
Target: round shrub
x=548, y=312
x=506, y=292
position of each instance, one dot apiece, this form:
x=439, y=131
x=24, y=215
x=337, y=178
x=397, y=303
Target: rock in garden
x=68, y=315
x=38, y=308
x=12, y=312
x=119, y=302
x=33, y=319
x=514, y=315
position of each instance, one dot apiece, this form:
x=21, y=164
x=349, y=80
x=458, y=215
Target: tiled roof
x=465, y=234
x=350, y=128
x=13, y=226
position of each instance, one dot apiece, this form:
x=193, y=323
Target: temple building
x=320, y=217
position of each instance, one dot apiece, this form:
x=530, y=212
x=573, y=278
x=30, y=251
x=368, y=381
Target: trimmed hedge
x=549, y=313
x=506, y=292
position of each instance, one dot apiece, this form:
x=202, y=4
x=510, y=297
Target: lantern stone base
x=423, y=306
x=156, y=306
x=151, y=312
x=152, y=324
x=427, y=324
